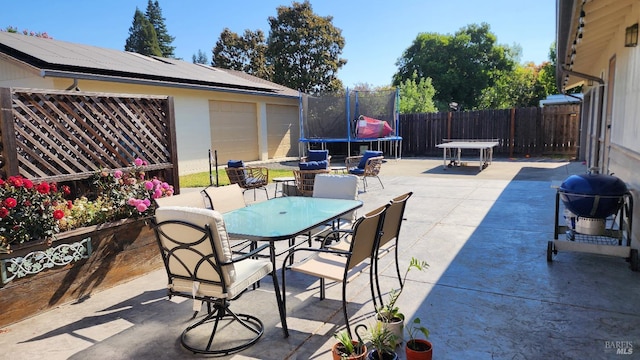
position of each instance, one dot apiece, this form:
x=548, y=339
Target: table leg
x=444, y=157
x=276, y=288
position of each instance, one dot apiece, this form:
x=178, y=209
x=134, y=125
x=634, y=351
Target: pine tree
x=154, y=15
x=142, y=36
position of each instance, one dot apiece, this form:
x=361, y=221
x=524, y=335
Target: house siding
x=622, y=157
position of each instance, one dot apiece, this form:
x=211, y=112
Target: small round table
x=339, y=169
x=278, y=180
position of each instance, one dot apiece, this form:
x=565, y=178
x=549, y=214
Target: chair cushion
x=187, y=198
x=313, y=165
x=356, y=171
x=202, y=217
x=235, y=164
x=318, y=155
x=254, y=181
x=368, y=154
x=333, y=186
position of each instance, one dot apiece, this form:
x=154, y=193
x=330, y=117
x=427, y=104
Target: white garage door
x=234, y=130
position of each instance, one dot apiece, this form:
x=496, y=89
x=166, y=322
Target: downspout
x=74, y=86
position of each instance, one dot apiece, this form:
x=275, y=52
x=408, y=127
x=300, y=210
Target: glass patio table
x=284, y=218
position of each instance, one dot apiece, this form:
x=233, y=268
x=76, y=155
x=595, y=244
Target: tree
x=304, y=49
x=142, y=36
x=460, y=66
x=243, y=53
x=416, y=95
x=200, y=58
x=154, y=15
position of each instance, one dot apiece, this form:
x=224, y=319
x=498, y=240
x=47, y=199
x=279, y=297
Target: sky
x=376, y=32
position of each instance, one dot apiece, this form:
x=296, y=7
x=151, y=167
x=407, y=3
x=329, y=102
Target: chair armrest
x=248, y=255
x=258, y=172
x=352, y=161
x=316, y=250
x=323, y=244
x=373, y=165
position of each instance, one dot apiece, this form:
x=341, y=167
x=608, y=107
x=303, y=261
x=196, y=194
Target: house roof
x=584, y=30
x=69, y=60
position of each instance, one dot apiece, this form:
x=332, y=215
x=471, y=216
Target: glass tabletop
x=285, y=217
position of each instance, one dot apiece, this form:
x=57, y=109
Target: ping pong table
x=485, y=147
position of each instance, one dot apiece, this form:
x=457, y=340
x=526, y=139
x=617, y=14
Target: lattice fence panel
x=64, y=135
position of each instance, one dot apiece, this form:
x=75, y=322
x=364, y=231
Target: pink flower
x=132, y=201
x=146, y=202
x=117, y=174
x=157, y=194
x=138, y=162
x=142, y=207
x=148, y=185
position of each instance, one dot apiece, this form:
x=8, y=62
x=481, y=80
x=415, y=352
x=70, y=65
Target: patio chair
x=248, y=177
x=331, y=186
x=187, y=198
x=197, y=257
x=339, y=265
x=390, y=233
x=367, y=165
x=305, y=179
x=317, y=155
x=228, y=198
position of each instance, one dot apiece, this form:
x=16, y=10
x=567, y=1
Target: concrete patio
x=489, y=292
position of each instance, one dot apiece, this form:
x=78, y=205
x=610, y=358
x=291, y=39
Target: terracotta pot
x=419, y=349
x=336, y=354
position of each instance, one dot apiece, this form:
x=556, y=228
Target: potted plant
x=382, y=341
x=390, y=314
x=418, y=349
x=348, y=349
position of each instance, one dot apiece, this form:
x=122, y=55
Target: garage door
x=234, y=130
x=283, y=131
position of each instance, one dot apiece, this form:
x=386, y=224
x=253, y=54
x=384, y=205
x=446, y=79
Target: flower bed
x=56, y=247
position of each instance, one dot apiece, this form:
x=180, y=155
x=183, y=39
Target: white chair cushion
x=336, y=186
x=188, y=198
x=201, y=217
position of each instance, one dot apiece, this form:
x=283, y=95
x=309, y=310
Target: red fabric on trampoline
x=370, y=128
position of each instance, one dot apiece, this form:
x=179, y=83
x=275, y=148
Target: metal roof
x=64, y=59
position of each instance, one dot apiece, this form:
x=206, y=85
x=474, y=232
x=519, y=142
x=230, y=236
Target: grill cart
x=597, y=210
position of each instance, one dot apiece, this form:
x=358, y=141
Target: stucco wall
x=193, y=122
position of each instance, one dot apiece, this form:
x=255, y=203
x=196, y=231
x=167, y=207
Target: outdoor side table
x=278, y=180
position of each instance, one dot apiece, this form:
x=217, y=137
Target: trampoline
x=334, y=118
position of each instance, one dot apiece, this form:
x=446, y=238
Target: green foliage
x=304, y=49
x=142, y=36
x=245, y=53
x=413, y=328
x=389, y=312
x=154, y=15
x=14, y=30
x=381, y=338
x=460, y=65
x=202, y=179
x=416, y=95
x=200, y=58
x=347, y=347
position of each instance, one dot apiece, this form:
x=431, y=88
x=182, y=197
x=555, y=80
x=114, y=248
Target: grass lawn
x=202, y=179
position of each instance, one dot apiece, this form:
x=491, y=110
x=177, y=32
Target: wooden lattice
x=69, y=135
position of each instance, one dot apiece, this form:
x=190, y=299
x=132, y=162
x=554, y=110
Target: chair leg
x=398, y=265
x=344, y=308
x=322, y=288
x=378, y=177
x=217, y=314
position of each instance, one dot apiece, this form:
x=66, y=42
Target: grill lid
x=594, y=184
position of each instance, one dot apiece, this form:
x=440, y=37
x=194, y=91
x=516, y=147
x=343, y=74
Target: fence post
x=449, y=115
x=8, y=138
x=512, y=133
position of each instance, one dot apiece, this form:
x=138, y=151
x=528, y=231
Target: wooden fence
x=69, y=135
x=549, y=131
